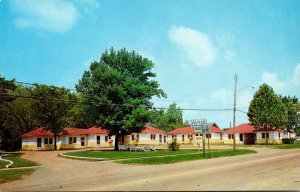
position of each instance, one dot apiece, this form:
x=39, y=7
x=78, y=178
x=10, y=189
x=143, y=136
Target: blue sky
x=197, y=46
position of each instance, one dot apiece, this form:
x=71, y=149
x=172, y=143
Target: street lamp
x=234, y=105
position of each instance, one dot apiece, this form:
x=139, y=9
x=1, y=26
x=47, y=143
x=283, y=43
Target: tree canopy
x=266, y=110
x=168, y=119
x=293, y=121
x=123, y=84
x=51, y=111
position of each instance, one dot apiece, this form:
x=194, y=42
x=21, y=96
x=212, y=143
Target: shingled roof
x=242, y=128
x=182, y=130
x=40, y=132
x=149, y=129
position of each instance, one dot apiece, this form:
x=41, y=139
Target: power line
x=2, y=94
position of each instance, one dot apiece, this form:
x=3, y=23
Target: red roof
x=242, y=128
x=149, y=129
x=97, y=130
x=182, y=130
x=275, y=130
x=39, y=132
x=215, y=129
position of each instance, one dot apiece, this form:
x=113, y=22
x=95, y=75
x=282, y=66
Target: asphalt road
x=269, y=169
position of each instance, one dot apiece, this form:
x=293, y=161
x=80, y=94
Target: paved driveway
x=269, y=169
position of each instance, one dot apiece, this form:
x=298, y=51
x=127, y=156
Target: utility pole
x=234, y=109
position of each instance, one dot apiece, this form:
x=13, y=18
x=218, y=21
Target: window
x=241, y=137
x=221, y=136
x=172, y=136
x=263, y=135
x=208, y=136
x=106, y=138
x=46, y=141
x=70, y=140
x=279, y=135
x=132, y=137
x=50, y=141
x=229, y=136
x=98, y=139
x=165, y=139
x=137, y=137
x=160, y=138
x=182, y=137
x=152, y=136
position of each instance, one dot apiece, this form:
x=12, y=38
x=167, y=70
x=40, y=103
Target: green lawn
x=187, y=157
x=3, y=164
x=112, y=155
x=286, y=146
x=14, y=174
x=19, y=162
x=155, y=157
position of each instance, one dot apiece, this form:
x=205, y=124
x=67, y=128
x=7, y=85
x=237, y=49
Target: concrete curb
x=87, y=158
x=9, y=162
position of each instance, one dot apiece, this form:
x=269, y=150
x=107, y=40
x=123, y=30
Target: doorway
x=39, y=143
x=82, y=142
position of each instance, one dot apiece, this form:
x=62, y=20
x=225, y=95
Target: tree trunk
x=266, y=136
x=55, y=146
x=117, y=142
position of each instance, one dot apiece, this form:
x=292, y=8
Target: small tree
x=293, y=116
x=266, y=110
x=174, y=146
x=168, y=120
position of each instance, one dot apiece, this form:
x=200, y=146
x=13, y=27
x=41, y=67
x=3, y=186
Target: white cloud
x=288, y=86
x=57, y=16
x=296, y=76
x=222, y=96
x=272, y=80
x=229, y=55
x=195, y=46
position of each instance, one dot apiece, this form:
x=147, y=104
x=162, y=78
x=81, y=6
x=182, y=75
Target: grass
x=186, y=157
x=19, y=162
x=286, y=146
x=3, y=164
x=158, y=157
x=14, y=174
x=113, y=155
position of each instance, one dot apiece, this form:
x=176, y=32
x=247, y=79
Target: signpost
x=201, y=125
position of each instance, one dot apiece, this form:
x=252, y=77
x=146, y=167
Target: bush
x=174, y=146
x=287, y=141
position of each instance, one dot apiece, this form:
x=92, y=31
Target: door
x=165, y=139
x=39, y=143
x=82, y=141
x=160, y=138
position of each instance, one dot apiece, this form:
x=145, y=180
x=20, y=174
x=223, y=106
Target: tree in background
x=7, y=135
x=293, y=117
x=122, y=83
x=168, y=120
x=266, y=110
x=50, y=110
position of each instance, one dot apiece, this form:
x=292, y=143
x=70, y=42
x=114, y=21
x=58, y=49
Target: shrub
x=287, y=141
x=174, y=146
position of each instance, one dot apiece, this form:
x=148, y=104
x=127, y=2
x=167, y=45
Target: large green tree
x=168, y=119
x=293, y=116
x=266, y=110
x=7, y=133
x=121, y=84
x=52, y=107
